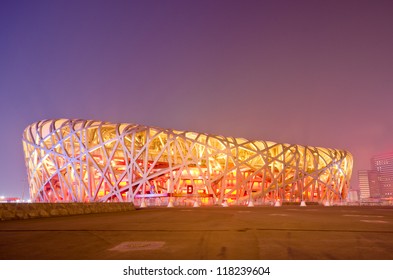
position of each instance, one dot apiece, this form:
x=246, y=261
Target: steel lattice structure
x=84, y=160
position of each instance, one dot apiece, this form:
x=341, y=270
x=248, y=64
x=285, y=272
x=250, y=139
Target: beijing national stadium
x=72, y=160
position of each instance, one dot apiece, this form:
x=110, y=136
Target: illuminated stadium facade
x=86, y=161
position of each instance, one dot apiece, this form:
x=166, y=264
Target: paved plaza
x=205, y=233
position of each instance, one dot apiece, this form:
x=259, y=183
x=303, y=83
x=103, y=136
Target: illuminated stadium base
x=86, y=161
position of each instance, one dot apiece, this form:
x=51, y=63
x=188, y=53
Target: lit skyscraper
x=368, y=184
x=364, y=187
x=383, y=165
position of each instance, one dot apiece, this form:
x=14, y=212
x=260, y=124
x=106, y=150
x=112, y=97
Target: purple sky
x=314, y=73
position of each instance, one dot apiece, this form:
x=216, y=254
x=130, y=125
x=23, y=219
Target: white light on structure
x=83, y=160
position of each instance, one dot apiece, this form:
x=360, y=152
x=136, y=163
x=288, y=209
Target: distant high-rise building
x=364, y=186
x=377, y=182
x=373, y=183
x=383, y=166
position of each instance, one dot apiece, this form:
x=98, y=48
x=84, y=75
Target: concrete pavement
x=284, y=233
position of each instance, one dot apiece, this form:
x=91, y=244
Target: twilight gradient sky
x=314, y=73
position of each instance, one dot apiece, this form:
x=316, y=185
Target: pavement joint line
x=363, y=216
x=375, y=221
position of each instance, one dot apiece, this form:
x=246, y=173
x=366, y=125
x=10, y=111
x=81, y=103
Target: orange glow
x=154, y=161
x=123, y=184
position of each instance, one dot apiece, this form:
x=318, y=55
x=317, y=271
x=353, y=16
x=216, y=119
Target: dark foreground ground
x=284, y=233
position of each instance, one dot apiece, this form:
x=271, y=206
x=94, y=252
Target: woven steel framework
x=83, y=160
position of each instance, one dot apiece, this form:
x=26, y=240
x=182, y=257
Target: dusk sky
x=316, y=73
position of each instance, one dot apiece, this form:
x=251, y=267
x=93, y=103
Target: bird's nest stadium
x=94, y=161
